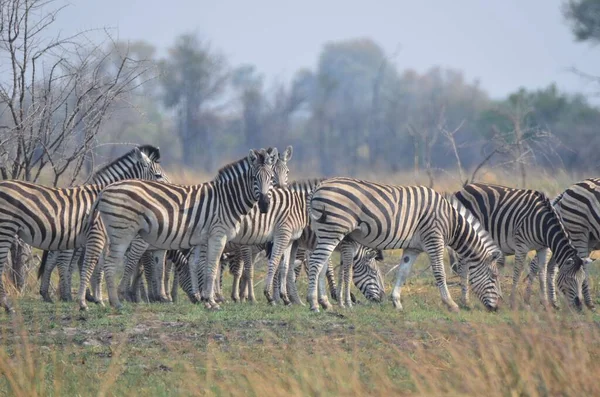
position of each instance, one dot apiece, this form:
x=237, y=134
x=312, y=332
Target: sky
x=504, y=44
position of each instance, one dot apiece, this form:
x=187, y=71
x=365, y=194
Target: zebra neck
x=236, y=197
x=110, y=174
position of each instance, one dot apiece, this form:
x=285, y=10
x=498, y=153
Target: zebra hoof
x=453, y=309
x=314, y=309
x=47, y=299
x=83, y=308
x=272, y=303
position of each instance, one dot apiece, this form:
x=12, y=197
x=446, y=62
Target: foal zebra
x=168, y=216
x=57, y=219
x=415, y=218
x=520, y=220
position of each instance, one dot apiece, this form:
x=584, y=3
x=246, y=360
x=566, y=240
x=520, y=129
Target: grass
x=182, y=349
x=254, y=350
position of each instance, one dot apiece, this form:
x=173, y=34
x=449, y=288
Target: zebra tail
x=42, y=267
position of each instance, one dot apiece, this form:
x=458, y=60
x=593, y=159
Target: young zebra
x=57, y=219
x=415, y=218
x=579, y=210
x=365, y=274
x=520, y=220
x=168, y=216
x=281, y=173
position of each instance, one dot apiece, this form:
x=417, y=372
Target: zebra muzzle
x=263, y=203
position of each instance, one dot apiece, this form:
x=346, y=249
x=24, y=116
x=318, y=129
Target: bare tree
x=58, y=92
x=54, y=98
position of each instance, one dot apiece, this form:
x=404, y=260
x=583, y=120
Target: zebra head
x=262, y=174
x=281, y=168
x=148, y=159
x=570, y=279
x=485, y=281
x=366, y=275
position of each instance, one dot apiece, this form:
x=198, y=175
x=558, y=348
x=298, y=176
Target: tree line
x=65, y=103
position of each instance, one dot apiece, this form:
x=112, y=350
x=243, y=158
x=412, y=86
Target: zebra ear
x=587, y=261
x=273, y=155
x=140, y=156
x=287, y=154
x=252, y=156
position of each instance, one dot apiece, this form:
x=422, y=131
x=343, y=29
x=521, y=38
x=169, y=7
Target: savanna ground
x=244, y=349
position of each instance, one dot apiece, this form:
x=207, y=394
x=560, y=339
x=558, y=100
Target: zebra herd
x=130, y=216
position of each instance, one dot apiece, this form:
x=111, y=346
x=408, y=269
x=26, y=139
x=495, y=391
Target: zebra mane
x=305, y=185
x=232, y=170
x=549, y=205
x=152, y=152
x=483, y=234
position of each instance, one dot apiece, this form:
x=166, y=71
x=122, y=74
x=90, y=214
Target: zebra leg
x=409, y=256
x=114, y=256
x=463, y=272
x=537, y=267
x=158, y=272
x=51, y=259
x=435, y=250
x=175, y=286
x=216, y=244
x=283, y=275
x=168, y=269
x=136, y=292
x=291, y=278
x=280, y=243
x=551, y=282
x=96, y=285
x=585, y=289
x=93, y=257
x=219, y=286
x=64, y=265
x=520, y=256
x=316, y=263
x=236, y=267
x=331, y=281
x=347, y=254
x=5, y=244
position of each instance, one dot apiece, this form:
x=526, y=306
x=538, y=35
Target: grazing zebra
x=281, y=174
x=57, y=219
x=520, y=220
x=365, y=274
x=415, y=218
x=579, y=210
x=168, y=216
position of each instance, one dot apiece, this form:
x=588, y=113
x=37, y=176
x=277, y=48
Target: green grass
x=182, y=349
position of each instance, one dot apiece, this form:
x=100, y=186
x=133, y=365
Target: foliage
x=583, y=17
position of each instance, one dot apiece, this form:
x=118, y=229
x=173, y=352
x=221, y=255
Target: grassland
x=182, y=349
x=255, y=350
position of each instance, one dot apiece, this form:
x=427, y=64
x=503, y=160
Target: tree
x=193, y=77
x=583, y=17
x=249, y=84
x=57, y=94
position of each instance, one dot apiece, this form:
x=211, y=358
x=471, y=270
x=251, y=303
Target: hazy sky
x=505, y=44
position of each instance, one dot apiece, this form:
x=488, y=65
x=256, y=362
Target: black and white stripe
x=166, y=216
x=414, y=218
x=57, y=219
x=520, y=220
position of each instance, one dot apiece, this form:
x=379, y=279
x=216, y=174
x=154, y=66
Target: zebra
x=168, y=216
x=281, y=175
x=365, y=273
x=415, y=218
x=579, y=210
x=57, y=219
x=520, y=220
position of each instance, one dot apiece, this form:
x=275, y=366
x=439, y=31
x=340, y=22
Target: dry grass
x=181, y=349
